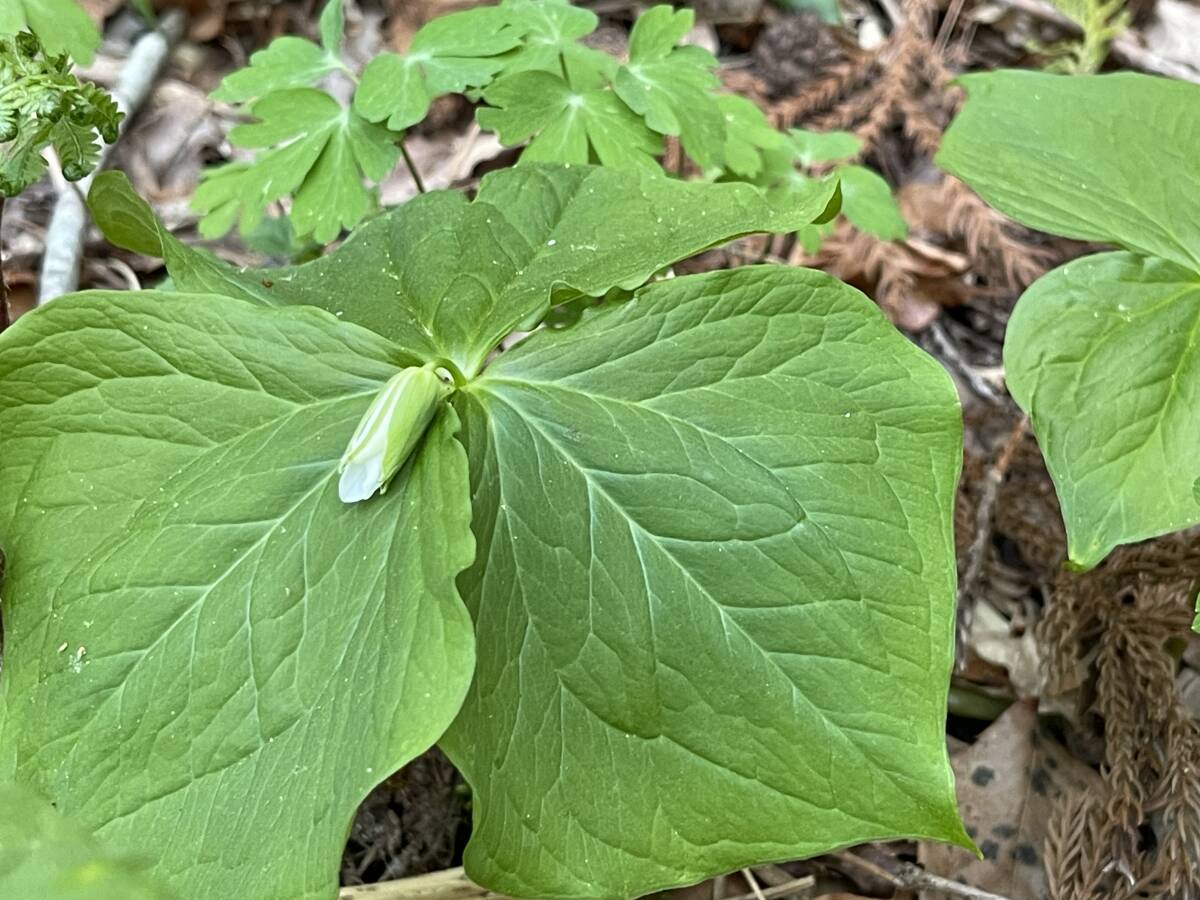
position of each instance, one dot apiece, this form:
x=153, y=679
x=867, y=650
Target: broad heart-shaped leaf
x=448, y=279
x=1104, y=353
x=61, y=25
x=209, y=658
x=448, y=55
x=672, y=87
x=714, y=591
x=570, y=126
x=44, y=855
x=1098, y=157
x=316, y=149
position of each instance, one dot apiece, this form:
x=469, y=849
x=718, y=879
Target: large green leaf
x=714, y=590
x=449, y=279
x=44, y=856
x=1099, y=157
x=1104, y=353
x=209, y=658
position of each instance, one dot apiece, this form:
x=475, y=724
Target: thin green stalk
x=412, y=168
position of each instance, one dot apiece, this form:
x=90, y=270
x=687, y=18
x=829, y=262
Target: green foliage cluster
x=43, y=105
x=866, y=198
x=672, y=586
x=1104, y=351
x=525, y=60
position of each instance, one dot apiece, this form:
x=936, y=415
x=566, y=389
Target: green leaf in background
x=1072, y=155
x=448, y=55
x=61, y=25
x=715, y=580
x=288, y=62
x=828, y=10
x=448, y=279
x=748, y=133
x=316, y=149
x=553, y=29
x=209, y=658
x=1104, y=353
x=566, y=125
x=43, y=856
x=672, y=87
x=868, y=203
x=824, y=146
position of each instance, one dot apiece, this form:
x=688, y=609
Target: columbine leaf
x=448, y=55
x=315, y=149
x=1104, y=353
x=288, y=62
x=715, y=579
x=61, y=25
x=553, y=29
x=449, y=279
x=747, y=134
x=824, y=146
x=43, y=855
x=1068, y=155
x=192, y=618
x=570, y=126
x=868, y=203
x=671, y=87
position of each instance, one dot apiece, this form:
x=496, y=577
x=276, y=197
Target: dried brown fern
x=1119, y=620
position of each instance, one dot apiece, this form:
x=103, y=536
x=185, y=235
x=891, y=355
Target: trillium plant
x=1104, y=351
x=672, y=585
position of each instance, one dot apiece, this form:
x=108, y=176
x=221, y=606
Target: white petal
x=360, y=480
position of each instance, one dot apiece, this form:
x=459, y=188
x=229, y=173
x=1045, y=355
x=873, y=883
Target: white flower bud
x=389, y=431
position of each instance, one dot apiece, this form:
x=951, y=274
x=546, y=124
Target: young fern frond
x=43, y=105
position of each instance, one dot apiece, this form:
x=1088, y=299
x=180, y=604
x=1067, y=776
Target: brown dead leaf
x=1008, y=782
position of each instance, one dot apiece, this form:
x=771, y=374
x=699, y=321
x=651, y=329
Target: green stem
x=412, y=168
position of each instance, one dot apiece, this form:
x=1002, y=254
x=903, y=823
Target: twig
x=450, y=884
x=946, y=349
x=800, y=887
x=64, y=235
x=1124, y=46
x=984, y=524
x=911, y=876
x=412, y=167
x=753, y=882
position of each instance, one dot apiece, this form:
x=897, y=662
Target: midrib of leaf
x=636, y=527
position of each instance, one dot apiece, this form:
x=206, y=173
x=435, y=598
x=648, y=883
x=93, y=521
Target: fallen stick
x=68, y=222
